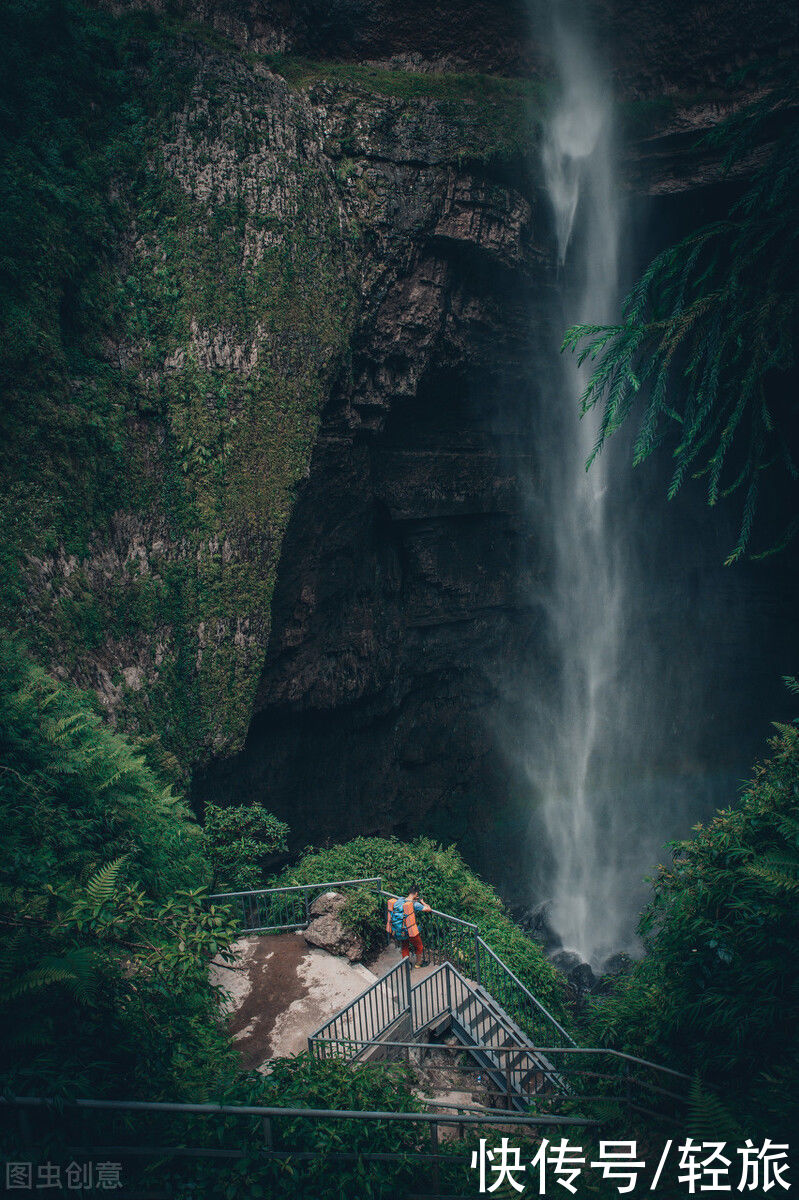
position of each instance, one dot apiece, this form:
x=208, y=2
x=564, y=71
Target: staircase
x=393, y=1014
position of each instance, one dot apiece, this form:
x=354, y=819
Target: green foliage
x=447, y=884
x=364, y=914
x=708, y=1118
x=240, y=842
x=106, y=937
x=708, y=333
x=718, y=992
x=335, y=1084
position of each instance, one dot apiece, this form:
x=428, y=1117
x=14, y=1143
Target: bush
x=241, y=842
x=364, y=914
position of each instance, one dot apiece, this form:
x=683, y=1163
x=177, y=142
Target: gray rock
x=327, y=932
x=566, y=961
x=617, y=964
x=582, y=978
x=536, y=922
x=328, y=902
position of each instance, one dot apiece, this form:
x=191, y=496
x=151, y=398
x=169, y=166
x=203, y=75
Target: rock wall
x=405, y=598
x=327, y=278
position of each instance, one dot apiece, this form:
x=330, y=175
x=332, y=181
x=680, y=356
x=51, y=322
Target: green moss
x=474, y=116
x=383, y=81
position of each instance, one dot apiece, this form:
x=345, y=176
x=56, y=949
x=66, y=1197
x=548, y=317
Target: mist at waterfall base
x=619, y=734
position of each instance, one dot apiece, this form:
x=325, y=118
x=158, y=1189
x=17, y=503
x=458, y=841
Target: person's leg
x=418, y=948
x=405, y=948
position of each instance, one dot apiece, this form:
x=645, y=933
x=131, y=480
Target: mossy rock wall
x=195, y=243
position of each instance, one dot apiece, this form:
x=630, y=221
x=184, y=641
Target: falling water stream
x=573, y=769
x=631, y=697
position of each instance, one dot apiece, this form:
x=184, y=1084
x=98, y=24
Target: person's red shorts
x=416, y=943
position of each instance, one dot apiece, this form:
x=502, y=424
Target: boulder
x=617, y=964
x=565, y=961
x=327, y=932
x=328, y=902
x=536, y=921
x=582, y=978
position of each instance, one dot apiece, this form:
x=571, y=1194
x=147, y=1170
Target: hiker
x=402, y=925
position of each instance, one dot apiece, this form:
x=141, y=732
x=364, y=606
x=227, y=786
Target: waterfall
x=626, y=719
x=574, y=763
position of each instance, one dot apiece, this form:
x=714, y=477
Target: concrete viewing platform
x=280, y=990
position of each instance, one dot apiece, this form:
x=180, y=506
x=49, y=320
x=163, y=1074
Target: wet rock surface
x=536, y=921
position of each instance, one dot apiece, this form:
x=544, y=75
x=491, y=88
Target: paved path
x=282, y=990
x=389, y=958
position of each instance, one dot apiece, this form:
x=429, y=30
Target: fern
x=102, y=885
x=74, y=970
x=708, y=1120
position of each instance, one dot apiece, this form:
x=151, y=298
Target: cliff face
x=326, y=281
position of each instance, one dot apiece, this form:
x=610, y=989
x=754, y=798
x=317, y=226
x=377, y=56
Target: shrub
x=241, y=842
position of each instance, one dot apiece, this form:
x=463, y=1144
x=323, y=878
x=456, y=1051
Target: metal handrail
x=526, y=991
x=297, y=887
x=482, y=945
x=479, y=942
x=260, y=1110
x=435, y=912
x=281, y=909
x=530, y=1049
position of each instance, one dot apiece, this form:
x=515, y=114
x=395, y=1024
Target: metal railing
x=360, y=1024
x=282, y=909
x=450, y=939
x=602, y=1084
x=376, y=1016
x=518, y=1001
x=135, y=1132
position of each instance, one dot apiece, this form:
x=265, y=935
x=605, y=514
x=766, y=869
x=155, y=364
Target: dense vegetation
x=241, y=841
x=106, y=942
x=718, y=992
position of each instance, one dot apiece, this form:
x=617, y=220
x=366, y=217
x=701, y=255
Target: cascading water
x=625, y=739
x=572, y=766
x=627, y=719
